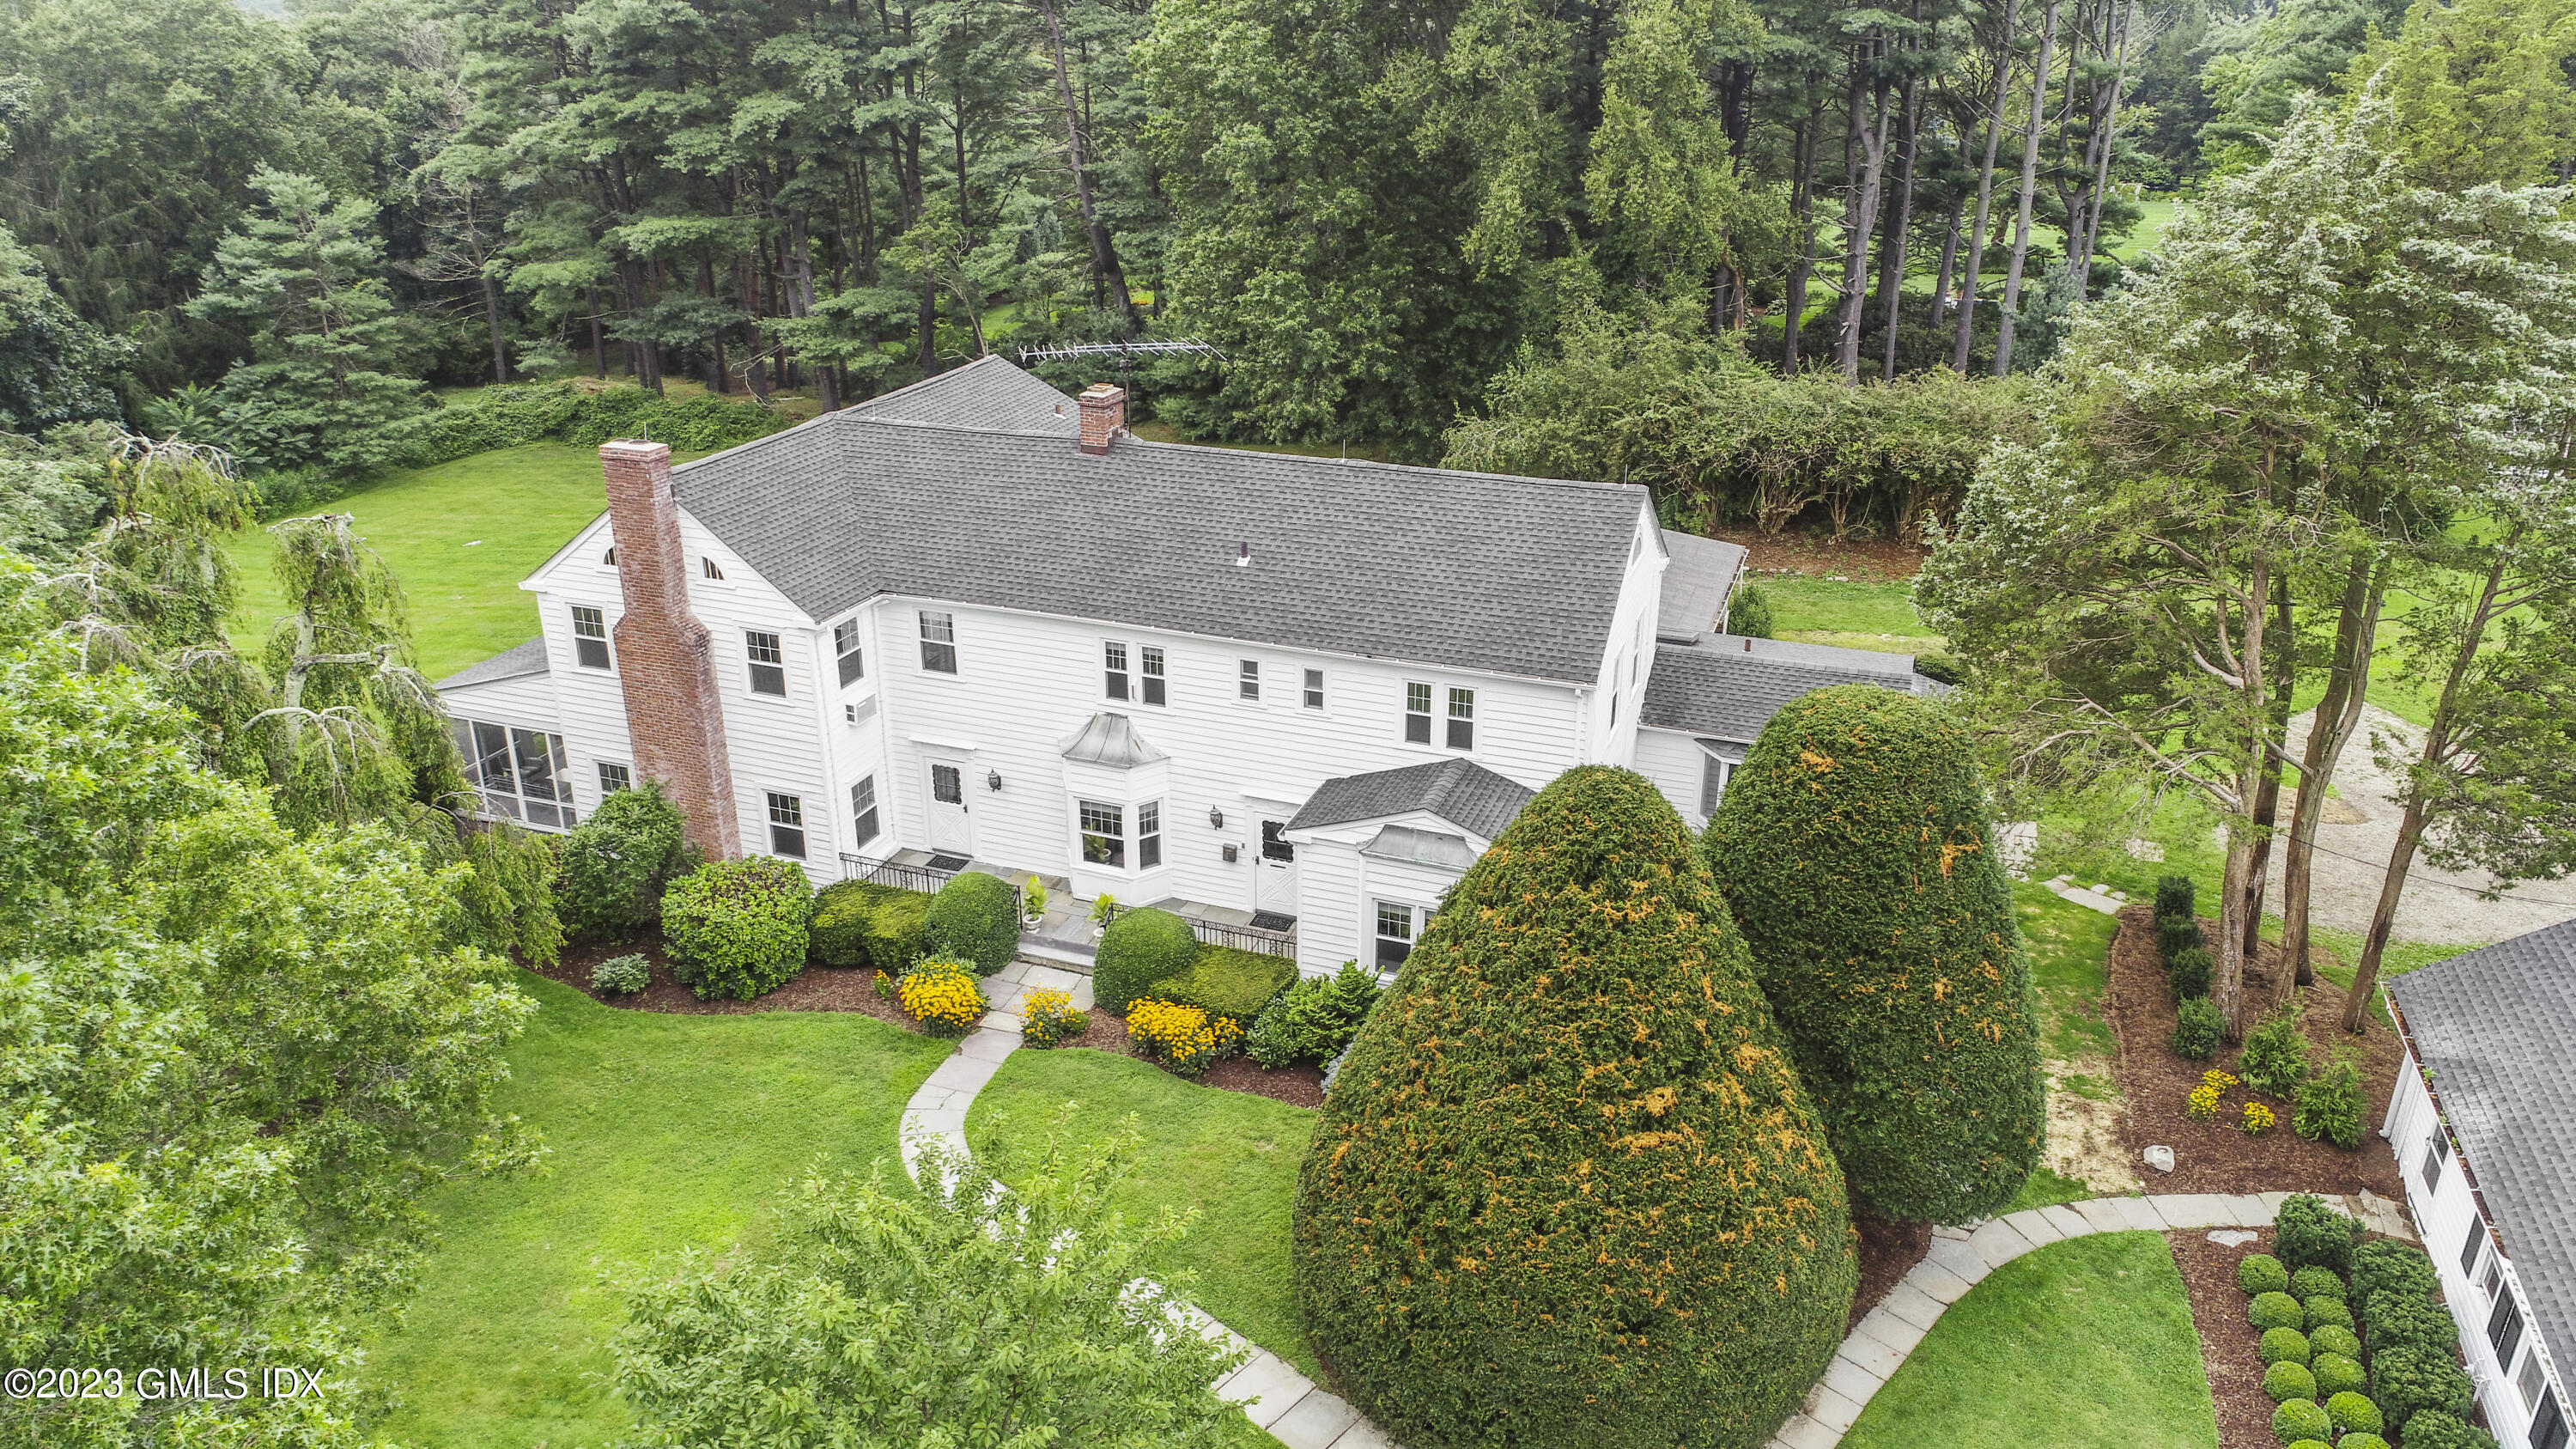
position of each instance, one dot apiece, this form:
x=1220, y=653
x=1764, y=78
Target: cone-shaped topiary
x=1854, y=849
x=1567, y=1189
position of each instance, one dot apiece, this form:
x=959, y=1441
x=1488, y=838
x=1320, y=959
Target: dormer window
x=608, y=560
x=708, y=567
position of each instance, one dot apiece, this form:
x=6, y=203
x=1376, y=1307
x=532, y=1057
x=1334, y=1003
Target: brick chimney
x=665, y=659
x=1104, y=414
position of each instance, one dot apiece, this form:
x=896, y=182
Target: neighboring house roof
x=1421, y=847
x=1719, y=688
x=986, y=393
x=1696, y=582
x=1110, y=740
x=1514, y=576
x=2498, y=1028
x=1820, y=656
x=1461, y=792
x=526, y=659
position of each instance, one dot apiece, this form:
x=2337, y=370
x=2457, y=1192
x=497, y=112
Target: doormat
x=1272, y=921
x=947, y=862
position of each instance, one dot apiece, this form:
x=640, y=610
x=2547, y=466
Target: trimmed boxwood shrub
x=2285, y=1381
x=1854, y=850
x=2174, y=898
x=737, y=927
x=2311, y=1444
x=2386, y=1265
x=2284, y=1345
x=2407, y=1379
x=2361, y=1441
x=612, y=868
x=1223, y=981
x=2177, y=935
x=2306, y=1231
x=1652, y=1243
x=2340, y=1341
x=2404, y=1318
x=2324, y=1312
x=2337, y=1373
x=2301, y=1419
x=2314, y=1281
x=2188, y=974
x=862, y=923
x=1140, y=950
x=2276, y=1310
x=2262, y=1273
x=2434, y=1429
x=975, y=917
x=2354, y=1414
x=2199, y=1027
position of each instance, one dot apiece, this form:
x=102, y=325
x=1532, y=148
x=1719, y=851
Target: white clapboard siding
x=1674, y=761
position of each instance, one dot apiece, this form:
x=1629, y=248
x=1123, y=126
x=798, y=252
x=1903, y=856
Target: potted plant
x=1104, y=909
x=1033, y=902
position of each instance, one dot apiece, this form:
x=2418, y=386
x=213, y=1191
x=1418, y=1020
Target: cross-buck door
x=951, y=833
x=1274, y=878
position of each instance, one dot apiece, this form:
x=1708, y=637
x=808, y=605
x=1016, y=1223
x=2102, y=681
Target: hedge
x=2308, y=1231
x=862, y=923
x=1640, y=1237
x=975, y=917
x=2406, y=1380
x=614, y=865
x=507, y=417
x=2434, y=1429
x=2403, y=1319
x=1854, y=849
x=737, y=927
x=2387, y=1265
x=1140, y=950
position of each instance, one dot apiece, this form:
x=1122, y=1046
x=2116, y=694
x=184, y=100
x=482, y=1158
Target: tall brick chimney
x=1104, y=412
x=665, y=659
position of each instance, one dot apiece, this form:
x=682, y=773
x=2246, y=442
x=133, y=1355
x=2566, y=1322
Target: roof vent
x=1243, y=555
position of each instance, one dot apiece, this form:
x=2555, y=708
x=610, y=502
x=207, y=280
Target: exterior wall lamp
x=993, y=781
x=1216, y=818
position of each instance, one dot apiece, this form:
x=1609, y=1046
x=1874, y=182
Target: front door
x=950, y=831
x=1274, y=879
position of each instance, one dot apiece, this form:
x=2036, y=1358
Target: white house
x=976, y=620
x=2484, y=1125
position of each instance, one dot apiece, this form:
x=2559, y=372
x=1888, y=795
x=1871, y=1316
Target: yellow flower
x=1047, y=1017
x=2258, y=1119
x=943, y=996
x=2204, y=1103
x=1183, y=1039
x=2214, y=1078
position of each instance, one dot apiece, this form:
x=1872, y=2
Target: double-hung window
x=518, y=773
x=2549, y=1426
x=786, y=825
x=1104, y=834
x=2504, y=1328
x=1314, y=691
x=1417, y=714
x=2469, y=1249
x=1152, y=660
x=938, y=642
x=768, y=664
x=863, y=812
x=1113, y=670
x=1149, y=835
x=845, y=643
x=1247, y=679
x=1462, y=719
x=614, y=777
x=1712, y=782
x=589, y=637
x=1394, y=933
x=2432, y=1173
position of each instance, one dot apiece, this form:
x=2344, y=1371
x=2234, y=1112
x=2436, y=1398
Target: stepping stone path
x=1302, y=1415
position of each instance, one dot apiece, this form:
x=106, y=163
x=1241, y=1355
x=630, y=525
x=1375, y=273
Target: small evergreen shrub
x=2173, y=937
x=2189, y=975
x=2307, y=1231
x=2174, y=898
x=1048, y=1018
x=2354, y=1414
x=2299, y=1419
x=2199, y=1028
x=1313, y=1019
x=944, y=995
x=2338, y=1374
x=2285, y=1380
x=2262, y=1273
x=2341, y=1342
x=2388, y=1265
x=2284, y=1345
x=2314, y=1281
x=862, y=923
x=1223, y=981
x=2405, y=1319
x=737, y=927
x=2275, y=1061
x=1748, y=614
x=2328, y=1106
x=1140, y=950
x=2434, y=1429
x=1182, y=1040
x=614, y=866
x=974, y=918
x=2311, y=1444
x=2361, y=1441
x=2326, y=1312
x=2275, y=1310
x=2408, y=1379
x=621, y=976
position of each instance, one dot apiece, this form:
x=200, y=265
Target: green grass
x=2045, y=1186
x=2085, y=1344
x=2069, y=947
x=1230, y=1155
x=1858, y=613
x=663, y=1131
x=466, y=603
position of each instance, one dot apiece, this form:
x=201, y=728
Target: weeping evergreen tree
x=1854, y=850
x=1567, y=1189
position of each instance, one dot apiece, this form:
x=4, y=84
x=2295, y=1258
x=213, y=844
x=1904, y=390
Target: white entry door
x=1274, y=878
x=951, y=833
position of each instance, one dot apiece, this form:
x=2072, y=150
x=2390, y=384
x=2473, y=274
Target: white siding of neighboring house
x=527, y=701
x=1611, y=730
x=2445, y=1215
x=1672, y=760
x=589, y=702
x=1342, y=888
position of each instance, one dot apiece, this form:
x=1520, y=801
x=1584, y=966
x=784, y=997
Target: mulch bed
x=2218, y=1156
x=1800, y=551
x=1888, y=1251
x=2229, y=1346
x=1299, y=1086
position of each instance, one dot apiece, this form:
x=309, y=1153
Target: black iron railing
x=893, y=873
x=1244, y=938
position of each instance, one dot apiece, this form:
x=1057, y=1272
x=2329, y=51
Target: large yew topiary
x=1567, y=1189
x=1854, y=849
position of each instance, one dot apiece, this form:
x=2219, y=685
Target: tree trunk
x=2267, y=796
x=1862, y=212
x=598, y=342
x=1985, y=191
x=2029, y=187
x=500, y=343
x=2338, y=713
x=1802, y=206
x=2228, y=990
x=1107, y=277
x=1891, y=249
x=2083, y=274
x=1949, y=262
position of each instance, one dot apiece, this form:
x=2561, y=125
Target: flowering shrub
x=885, y=987
x=2216, y=1078
x=2258, y=1119
x=1182, y=1039
x=943, y=995
x=2204, y=1103
x=1047, y=1017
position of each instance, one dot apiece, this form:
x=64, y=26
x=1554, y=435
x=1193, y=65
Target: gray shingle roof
x=1696, y=583
x=1461, y=792
x=1719, y=689
x=1470, y=570
x=986, y=393
x=528, y=658
x=2498, y=1028
x=1110, y=740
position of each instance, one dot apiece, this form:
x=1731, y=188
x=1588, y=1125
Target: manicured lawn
x=664, y=1131
x=2069, y=948
x=1230, y=1155
x=2085, y=1344
x=459, y=537
x=1859, y=613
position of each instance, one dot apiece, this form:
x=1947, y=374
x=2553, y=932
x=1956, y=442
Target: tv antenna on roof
x=1125, y=352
